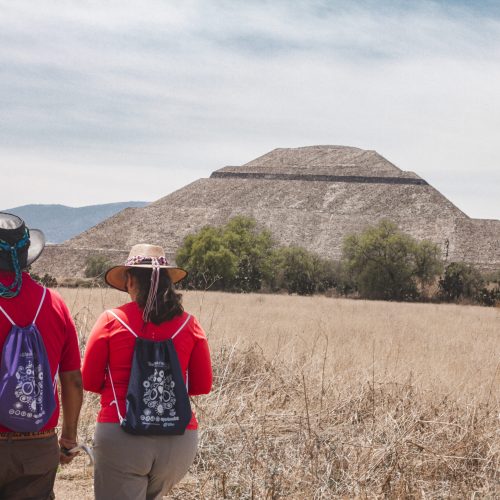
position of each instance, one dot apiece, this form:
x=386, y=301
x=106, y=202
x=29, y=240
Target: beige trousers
x=129, y=467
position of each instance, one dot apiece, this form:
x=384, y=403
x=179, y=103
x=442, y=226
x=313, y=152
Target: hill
x=60, y=222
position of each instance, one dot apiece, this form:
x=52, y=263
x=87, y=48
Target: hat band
x=140, y=259
x=12, y=290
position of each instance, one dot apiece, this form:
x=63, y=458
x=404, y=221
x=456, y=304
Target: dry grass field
x=318, y=398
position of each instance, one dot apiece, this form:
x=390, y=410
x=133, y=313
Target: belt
x=19, y=436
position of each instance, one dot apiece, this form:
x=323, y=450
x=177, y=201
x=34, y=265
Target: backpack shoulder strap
x=122, y=322
x=182, y=326
x=115, y=400
x=7, y=316
x=37, y=311
x=40, y=305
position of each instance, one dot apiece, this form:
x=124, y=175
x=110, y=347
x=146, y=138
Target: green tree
x=297, y=270
x=387, y=264
x=209, y=262
x=232, y=257
x=460, y=281
x=428, y=263
x=253, y=248
x=300, y=271
x=96, y=266
x=329, y=275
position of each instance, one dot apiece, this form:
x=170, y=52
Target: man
x=29, y=460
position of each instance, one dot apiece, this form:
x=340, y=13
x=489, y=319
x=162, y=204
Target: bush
x=81, y=283
x=233, y=257
x=460, y=281
x=296, y=270
x=239, y=257
x=96, y=266
x=380, y=263
x=305, y=273
x=492, y=277
x=253, y=249
x=46, y=280
x=488, y=297
x=386, y=264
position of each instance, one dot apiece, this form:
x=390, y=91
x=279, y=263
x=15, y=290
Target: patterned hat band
x=139, y=259
x=15, y=250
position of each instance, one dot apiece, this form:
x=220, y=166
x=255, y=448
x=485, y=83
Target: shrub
x=96, y=266
x=232, y=257
x=46, y=280
x=387, y=264
x=80, y=283
x=296, y=269
x=381, y=262
x=299, y=271
x=488, y=297
x=253, y=248
x=492, y=277
x=460, y=281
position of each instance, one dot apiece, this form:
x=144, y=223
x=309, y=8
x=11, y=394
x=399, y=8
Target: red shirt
x=54, y=324
x=110, y=343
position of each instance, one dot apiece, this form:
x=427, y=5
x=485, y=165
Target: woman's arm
x=95, y=360
x=200, y=365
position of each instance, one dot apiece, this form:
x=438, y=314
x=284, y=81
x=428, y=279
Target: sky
x=130, y=100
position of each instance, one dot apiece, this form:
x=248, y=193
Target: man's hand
x=65, y=445
x=71, y=399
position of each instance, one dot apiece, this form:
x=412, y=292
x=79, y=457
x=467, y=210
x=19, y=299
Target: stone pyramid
x=310, y=196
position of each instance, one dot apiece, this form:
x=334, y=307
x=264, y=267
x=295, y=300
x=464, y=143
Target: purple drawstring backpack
x=27, y=390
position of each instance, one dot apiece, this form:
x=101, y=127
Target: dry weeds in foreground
x=318, y=398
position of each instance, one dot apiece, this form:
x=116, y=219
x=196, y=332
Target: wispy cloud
x=179, y=89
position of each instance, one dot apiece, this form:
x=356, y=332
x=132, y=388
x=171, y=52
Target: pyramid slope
x=281, y=206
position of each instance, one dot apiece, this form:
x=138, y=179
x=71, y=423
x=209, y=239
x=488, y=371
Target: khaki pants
x=129, y=467
x=28, y=468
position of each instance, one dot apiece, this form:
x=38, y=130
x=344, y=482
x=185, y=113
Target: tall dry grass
x=321, y=398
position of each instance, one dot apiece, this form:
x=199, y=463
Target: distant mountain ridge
x=60, y=222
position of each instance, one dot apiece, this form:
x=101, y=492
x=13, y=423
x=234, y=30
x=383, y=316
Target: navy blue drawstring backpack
x=157, y=398
x=27, y=390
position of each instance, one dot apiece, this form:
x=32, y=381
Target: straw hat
x=143, y=256
x=27, y=244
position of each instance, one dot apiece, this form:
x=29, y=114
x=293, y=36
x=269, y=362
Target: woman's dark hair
x=168, y=302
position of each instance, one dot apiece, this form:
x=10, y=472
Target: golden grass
x=323, y=398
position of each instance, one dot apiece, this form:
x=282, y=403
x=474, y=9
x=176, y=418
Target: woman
x=129, y=466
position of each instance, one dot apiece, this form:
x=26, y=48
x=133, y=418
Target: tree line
x=380, y=262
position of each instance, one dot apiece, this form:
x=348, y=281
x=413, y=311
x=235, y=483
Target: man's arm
x=71, y=400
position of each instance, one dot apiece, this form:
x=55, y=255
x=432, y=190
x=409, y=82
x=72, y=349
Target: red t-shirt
x=54, y=323
x=110, y=343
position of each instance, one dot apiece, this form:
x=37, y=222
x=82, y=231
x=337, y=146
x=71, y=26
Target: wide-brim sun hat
x=13, y=232
x=143, y=256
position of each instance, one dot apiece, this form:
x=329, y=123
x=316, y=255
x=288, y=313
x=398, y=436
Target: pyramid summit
x=308, y=196
x=321, y=163
x=328, y=160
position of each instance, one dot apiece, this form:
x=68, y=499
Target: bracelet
x=72, y=441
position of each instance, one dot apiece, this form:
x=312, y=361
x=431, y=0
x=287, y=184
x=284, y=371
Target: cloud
x=176, y=90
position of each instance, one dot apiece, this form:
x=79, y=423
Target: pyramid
x=309, y=196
